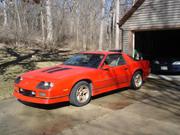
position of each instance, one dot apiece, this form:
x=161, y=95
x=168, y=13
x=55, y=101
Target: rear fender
x=145, y=67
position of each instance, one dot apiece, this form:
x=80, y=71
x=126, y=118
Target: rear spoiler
x=115, y=51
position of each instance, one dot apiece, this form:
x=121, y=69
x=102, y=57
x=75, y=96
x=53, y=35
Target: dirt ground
x=152, y=110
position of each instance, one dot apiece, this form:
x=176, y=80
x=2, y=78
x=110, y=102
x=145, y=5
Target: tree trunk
x=91, y=36
x=117, y=25
x=84, y=42
x=77, y=32
x=102, y=26
x=49, y=21
x=113, y=29
x=42, y=27
x=18, y=16
x=5, y=13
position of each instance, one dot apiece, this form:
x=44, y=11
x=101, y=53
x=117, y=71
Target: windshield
x=85, y=60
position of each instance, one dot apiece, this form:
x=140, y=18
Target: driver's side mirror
x=106, y=67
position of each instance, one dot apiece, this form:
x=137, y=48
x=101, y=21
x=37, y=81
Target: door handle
x=125, y=68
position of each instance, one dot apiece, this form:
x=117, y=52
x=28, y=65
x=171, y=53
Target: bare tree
x=42, y=26
x=5, y=13
x=117, y=26
x=102, y=25
x=77, y=24
x=18, y=15
x=49, y=21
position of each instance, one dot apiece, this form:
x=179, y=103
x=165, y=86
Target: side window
x=121, y=60
x=114, y=60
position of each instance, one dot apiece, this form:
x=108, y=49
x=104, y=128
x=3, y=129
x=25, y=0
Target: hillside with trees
x=87, y=24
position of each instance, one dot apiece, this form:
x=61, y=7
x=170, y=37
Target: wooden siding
x=152, y=14
x=125, y=41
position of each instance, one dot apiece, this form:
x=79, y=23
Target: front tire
x=80, y=94
x=137, y=80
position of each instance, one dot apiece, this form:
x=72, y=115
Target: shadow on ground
x=46, y=107
x=33, y=55
x=160, y=93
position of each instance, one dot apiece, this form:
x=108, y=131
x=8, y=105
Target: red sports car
x=82, y=76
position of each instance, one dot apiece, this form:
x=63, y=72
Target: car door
x=115, y=75
x=104, y=79
x=119, y=68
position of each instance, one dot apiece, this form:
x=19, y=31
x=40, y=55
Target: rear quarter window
x=115, y=60
x=121, y=60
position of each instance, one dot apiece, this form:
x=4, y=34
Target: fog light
x=42, y=94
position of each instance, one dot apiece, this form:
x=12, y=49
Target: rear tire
x=80, y=94
x=137, y=80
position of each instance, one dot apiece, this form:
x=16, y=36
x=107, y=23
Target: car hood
x=166, y=60
x=56, y=72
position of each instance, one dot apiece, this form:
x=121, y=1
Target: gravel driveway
x=154, y=109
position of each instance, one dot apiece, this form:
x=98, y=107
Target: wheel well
x=140, y=70
x=86, y=80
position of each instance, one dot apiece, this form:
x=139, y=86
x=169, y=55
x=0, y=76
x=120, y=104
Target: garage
x=158, y=43
x=152, y=28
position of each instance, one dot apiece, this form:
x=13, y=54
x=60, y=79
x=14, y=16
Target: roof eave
x=130, y=12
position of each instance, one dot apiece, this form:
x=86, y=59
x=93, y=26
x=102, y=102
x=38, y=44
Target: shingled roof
x=130, y=12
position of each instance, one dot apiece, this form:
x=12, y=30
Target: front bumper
x=40, y=100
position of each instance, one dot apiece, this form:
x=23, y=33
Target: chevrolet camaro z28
x=82, y=76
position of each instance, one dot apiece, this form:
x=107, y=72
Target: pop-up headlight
x=45, y=85
x=18, y=79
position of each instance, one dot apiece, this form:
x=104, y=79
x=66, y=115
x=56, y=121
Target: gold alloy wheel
x=83, y=94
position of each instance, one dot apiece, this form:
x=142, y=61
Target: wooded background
x=75, y=24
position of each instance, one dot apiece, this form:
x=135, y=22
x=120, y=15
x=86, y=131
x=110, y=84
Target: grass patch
x=47, y=64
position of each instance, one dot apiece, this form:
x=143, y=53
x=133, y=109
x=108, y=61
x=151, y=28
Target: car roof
x=101, y=52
